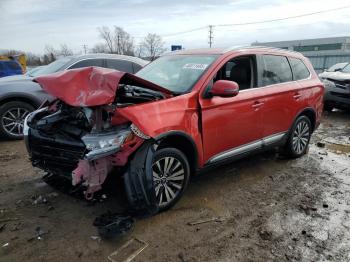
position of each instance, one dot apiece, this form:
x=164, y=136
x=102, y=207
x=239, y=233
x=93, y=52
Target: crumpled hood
x=90, y=86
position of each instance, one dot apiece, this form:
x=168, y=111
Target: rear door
x=281, y=94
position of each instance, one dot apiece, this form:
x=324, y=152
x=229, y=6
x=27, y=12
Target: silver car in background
x=19, y=95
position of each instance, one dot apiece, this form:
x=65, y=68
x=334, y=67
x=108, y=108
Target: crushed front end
x=85, y=138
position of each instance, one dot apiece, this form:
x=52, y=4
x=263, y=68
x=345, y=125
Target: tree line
x=113, y=40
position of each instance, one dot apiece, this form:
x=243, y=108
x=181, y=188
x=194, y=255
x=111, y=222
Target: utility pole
x=118, y=45
x=210, y=35
x=85, y=48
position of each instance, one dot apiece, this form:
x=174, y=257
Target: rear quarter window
x=300, y=71
x=276, y=69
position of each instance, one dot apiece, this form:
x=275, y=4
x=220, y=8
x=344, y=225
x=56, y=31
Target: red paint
x=215, y=124
x=90, y=86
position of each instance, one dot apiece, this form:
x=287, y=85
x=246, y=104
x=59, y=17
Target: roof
x=220, y=51
x=110, y=56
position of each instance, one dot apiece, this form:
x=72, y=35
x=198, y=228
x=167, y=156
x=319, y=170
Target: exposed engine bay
x=85, y=143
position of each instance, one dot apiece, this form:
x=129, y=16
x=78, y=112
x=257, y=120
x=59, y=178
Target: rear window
x=13, y=65
x=300, y=70
x=276, y=70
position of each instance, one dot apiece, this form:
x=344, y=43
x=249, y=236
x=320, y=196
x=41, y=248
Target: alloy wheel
x=169, y=179
x=13, y=120
x=301, y=137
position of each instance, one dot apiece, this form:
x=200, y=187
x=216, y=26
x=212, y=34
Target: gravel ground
x=268, y=209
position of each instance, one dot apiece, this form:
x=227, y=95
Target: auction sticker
x=195, y=66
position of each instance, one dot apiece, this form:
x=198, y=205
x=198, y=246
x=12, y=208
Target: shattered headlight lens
x=104, y=144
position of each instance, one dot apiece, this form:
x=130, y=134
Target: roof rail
x=233, y=48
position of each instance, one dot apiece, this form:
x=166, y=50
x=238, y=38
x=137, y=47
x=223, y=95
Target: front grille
x=54, y=154
x=341, y=84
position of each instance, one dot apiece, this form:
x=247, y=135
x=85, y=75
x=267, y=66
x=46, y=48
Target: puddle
x=340, y=144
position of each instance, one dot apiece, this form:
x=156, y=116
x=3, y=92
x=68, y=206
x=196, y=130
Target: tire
x=171, y=173
x=299, y=137
x=12, y=115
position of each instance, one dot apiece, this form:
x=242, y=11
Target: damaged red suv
x=186, y=111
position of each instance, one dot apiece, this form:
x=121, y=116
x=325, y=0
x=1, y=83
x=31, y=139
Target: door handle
x=257, y=104
x=297, y=96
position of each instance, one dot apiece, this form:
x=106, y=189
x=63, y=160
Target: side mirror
x=337, y=69
x=224, y=88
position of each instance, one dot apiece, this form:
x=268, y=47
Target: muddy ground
x=270, y=209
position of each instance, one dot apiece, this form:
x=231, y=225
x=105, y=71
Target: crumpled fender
x=91, y=86
x=175, y=114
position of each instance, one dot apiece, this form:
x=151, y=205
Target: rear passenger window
x=87, y=63
x=276, y=70
x=120, y=65
x=300, y=70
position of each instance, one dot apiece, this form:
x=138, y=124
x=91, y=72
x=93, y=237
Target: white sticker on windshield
x=195, y=66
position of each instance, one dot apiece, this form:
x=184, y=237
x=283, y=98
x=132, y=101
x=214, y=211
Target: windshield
x=177, y=73
x=346, y=69
x=50, y=68
x=336, y=67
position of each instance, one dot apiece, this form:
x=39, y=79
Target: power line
x=285, y=18
x=184, y=32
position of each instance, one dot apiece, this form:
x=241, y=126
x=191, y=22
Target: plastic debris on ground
x=110, y=225
x=128, y=251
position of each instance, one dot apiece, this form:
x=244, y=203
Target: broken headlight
x=104, y=144
x=138, y=132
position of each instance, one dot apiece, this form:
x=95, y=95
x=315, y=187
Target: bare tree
x=49, y=54
x=152, y=46
x=123, y=41
x=65, y=51
x=117, y=41
x=107, y=36
x=99, y=48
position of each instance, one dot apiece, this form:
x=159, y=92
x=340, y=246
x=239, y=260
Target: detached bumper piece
x=138, y=181
x=111, y=225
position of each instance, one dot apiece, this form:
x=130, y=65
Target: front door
x=232, y=126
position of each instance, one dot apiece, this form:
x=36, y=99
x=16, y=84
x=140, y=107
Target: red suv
x=186, y=111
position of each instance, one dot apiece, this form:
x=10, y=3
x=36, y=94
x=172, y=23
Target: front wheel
x=299, y=137
x=171, y=173
x=12, y=115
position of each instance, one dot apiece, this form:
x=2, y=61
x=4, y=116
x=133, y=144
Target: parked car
x=184, y=112
x=337, y=89
x=334, y=68
x=9, y=68
x=19, y=95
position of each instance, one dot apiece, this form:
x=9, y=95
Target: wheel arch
x=183, y=142
x=24, y=99
x=310, y=113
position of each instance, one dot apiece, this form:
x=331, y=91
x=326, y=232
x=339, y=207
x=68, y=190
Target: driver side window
x=240, y=70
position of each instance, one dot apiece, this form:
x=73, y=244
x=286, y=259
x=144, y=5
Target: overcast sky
x=29, y=25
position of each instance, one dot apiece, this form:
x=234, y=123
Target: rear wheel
x=299, y=137
x=171, y=173
x=12, y=115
